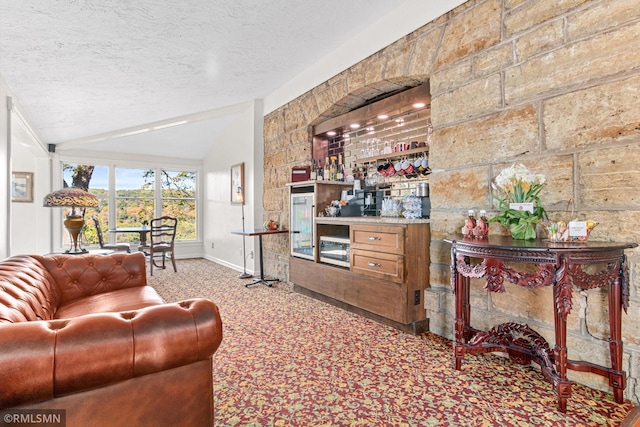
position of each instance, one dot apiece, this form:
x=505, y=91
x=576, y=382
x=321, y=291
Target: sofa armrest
x=45, y=359
x=79, y=276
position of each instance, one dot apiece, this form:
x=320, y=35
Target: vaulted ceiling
x=125, y=74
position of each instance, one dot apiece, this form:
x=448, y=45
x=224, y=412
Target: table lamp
x=73, y=198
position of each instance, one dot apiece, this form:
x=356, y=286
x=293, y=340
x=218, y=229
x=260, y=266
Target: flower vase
x=517, y=192
x=525, y=229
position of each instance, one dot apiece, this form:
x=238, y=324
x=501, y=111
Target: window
x=179, y=201
x=135, y=197
x=136, y=194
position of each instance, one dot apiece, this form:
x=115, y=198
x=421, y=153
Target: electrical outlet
x=211, y=245
x=416, y=297
x=251, y=254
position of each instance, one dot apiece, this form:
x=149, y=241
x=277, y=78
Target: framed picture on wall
x=22, y=187
x=237, y=184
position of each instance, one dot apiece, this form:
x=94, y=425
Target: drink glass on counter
x=390, y=207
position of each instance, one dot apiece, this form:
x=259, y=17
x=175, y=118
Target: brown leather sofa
x=85, y=334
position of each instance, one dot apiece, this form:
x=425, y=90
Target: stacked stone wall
x=552, y=85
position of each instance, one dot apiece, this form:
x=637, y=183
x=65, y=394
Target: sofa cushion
x=114, y=301
x=79, y=276
x=27, y=291
x=42, y=360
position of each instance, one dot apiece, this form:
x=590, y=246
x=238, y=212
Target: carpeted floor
x=289, y=360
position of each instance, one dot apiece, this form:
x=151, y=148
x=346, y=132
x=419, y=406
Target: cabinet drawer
x=378, y=264
x=389, y=239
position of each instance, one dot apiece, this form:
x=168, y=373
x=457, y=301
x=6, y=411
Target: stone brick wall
x=552, y=85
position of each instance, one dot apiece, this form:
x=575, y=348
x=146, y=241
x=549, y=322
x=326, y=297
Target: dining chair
x=161, y=240
x=115, y=246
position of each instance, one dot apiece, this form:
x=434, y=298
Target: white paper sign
x=521, y=206
x=577, y=228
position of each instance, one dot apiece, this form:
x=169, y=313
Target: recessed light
x=354, y=125
x=168, y=125
x=133, y=132
x=331, y=133
x=383, y=116
x=419, y=105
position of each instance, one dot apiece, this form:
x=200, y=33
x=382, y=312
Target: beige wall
x=552, y=85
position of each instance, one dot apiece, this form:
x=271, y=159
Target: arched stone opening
x=366, y=95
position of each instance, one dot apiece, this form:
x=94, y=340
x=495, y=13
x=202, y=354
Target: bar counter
x=369, y=220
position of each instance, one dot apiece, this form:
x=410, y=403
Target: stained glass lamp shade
x=72, y=198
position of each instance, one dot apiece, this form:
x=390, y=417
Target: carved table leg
x=562, y=296
x=617, y=379
x=562, y=386
x=615, y=277
x=462, y=317
x=466, y=312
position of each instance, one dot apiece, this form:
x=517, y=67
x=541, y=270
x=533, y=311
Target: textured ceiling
x=81, y=68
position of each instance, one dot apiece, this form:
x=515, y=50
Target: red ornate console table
x=560, y=266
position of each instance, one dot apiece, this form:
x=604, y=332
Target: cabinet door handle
x=374, y=238
x=373, y=264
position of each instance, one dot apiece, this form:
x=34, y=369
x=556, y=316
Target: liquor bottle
x=320, y=172
x=326, y=169
x=333, y=170
x=313, y=174
x=340, y=169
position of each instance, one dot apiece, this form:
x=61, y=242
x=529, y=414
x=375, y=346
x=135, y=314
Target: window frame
x=112, y=164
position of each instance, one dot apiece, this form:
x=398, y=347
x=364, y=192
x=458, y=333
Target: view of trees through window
x=178, y=197
x=135, y=198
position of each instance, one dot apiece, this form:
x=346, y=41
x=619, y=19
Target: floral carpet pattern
x=289, y=360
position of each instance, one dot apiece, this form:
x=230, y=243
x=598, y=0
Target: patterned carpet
x=289, y=360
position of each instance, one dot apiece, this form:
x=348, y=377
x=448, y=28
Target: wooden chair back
x=96, y=221
x=161, y=241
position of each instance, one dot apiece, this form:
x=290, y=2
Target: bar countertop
x=369, y=220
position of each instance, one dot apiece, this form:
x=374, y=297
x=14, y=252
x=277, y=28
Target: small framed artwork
x=22, y=187
x=237, y=184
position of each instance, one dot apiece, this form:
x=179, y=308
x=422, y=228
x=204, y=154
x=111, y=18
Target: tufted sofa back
x=27, y=291
x=32, y=287
x=80, y=276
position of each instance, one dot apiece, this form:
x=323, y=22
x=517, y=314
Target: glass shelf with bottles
x=386, y=169
x=411, y=153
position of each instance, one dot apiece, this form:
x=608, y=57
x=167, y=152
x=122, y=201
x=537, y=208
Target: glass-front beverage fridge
x=302, y=214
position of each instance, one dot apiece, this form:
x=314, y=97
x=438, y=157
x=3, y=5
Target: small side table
x=260, y=233
x=559, y=264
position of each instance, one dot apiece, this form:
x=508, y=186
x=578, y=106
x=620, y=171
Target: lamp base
x=74, y=224
x=76, y=252
x=245, y=276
